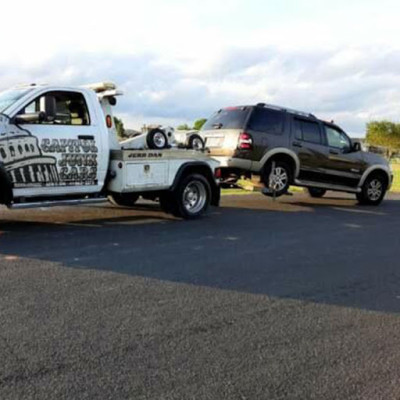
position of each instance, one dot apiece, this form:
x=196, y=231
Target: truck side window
x=68, y=108
x=337, y=139
x=307, y=131
x=267, y=120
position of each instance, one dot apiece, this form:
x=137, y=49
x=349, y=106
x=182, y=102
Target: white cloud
x=179, y=60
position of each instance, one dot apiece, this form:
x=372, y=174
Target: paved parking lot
x=297, y=299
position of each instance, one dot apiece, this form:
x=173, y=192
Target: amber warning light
x=109, y=121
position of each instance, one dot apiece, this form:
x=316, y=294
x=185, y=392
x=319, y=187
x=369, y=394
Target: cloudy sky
x=181, y=60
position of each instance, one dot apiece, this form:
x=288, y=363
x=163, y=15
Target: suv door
x=58, y=146
x=309, y=144
x=344, y=166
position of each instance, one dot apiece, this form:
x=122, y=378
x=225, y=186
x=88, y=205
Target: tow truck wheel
x=123, y=199
x=192, y=197
x=157, y=139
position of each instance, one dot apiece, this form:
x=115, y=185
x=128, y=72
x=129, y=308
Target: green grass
x=228, y=192
x=396, y=180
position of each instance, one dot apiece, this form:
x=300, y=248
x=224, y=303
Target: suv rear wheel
x=278, y=176
x=316, y=192
x=373, y=191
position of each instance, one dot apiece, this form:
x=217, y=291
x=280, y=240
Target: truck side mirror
x=30, y=118
x=356, y=147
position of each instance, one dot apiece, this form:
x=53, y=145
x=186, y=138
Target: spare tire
x=157, y=139
x=195, y=142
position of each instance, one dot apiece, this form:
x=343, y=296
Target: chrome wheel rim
x=197, y=144
x=194, y=197
x=375, y=190
x=159, y=139
x=278, y=179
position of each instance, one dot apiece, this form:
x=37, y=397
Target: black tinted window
x=227, y=118
x=308, y=131
x=69, y=108
x=337, y=138
x=298, y=133
x=265, y=120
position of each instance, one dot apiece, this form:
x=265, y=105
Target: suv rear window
x=227, y=118
x=266, y=120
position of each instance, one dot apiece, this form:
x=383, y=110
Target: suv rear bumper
x=231, y=162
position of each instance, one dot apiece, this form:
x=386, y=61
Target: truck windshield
x=227, y=118
x=9, y=97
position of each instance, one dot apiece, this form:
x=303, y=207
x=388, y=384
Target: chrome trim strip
x=56, y=203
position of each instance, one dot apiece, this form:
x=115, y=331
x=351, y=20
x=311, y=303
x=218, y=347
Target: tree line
x=384, y=134
x=198, y=124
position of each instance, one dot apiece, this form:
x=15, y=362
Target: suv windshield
x=8, y=97
x=227, y=118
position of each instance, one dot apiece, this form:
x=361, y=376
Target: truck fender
x=376, y=168
x=6, y=186
x=281, y=150
x=202, y=168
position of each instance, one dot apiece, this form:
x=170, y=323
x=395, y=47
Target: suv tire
x=316, y=192
x=373, y=190
x=281, y=177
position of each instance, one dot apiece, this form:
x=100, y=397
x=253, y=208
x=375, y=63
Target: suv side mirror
x=31, y=118
x=356, y=147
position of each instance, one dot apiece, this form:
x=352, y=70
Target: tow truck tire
x=192, y=197
x=123, y=199
x=195, y=142
x=157, y=139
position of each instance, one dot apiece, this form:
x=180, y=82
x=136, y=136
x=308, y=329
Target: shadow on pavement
x=324, y=256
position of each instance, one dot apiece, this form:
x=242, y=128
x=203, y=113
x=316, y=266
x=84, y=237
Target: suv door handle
x=297, y=144
x=333, y=151
x=86, y=137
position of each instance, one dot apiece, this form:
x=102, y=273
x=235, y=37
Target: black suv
x=288, y=147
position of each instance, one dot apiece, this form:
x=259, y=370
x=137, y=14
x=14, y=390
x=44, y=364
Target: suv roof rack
x=289, y=110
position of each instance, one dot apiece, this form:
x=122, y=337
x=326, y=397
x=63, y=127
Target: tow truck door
x=60, y=152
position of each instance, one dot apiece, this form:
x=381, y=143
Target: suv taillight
x=245, y=141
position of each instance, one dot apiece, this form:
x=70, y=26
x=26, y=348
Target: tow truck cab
x=59, y=144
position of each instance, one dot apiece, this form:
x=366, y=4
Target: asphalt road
x=298, y=299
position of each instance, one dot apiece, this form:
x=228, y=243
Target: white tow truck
x=58, y=146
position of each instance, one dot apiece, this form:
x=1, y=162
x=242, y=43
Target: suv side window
x=308, y=131
x=337, y=138
x=267, y=120
x=70, y=108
